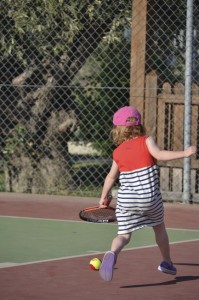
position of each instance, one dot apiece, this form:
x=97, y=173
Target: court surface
x=45, y=251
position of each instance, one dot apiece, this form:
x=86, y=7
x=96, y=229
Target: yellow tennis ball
x=95, y=264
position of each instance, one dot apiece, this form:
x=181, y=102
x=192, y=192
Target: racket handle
x=108, y=200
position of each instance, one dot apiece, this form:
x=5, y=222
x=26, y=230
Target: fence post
x=187, y=104
x=138, y=53
x=151, y=103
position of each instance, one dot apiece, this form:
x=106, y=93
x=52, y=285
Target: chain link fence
x=67, y=66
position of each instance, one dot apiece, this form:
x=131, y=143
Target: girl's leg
x=119, y=242
x=110, y=257
x=162, y=241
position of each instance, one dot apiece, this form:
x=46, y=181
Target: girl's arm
x=109, y=182
x=167, y=155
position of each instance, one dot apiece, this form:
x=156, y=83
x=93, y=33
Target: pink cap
x=121, y=116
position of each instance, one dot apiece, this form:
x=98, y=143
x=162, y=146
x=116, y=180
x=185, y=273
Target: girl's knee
x=126, y=237
x=160, y=227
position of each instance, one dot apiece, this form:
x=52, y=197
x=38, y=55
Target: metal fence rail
x=66, y=66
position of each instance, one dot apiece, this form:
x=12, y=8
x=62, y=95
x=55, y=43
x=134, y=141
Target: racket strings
x=98, y=214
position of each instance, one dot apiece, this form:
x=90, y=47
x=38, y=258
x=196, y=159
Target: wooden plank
x=178, y=163
x=168, y=126
x=178, y=134
x=195, y=198
x=164, y=121
x=138, y=54
x=171, y=98
x=178, y=88
x=195, y=125
x=166, y=88
x=171, y=196
x=193, y=181
x=160, y=124
x=177, y=180
x=151, y=103
x=195, y=89
x=164, y=179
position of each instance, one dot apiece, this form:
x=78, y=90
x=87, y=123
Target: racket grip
x=108, y=200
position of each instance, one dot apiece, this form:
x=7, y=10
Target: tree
x=167, y=39
x=44, y=44
x=96, y=106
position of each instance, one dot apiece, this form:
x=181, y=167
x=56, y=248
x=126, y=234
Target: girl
x=139, y=201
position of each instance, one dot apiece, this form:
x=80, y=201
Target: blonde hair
x=120, y=134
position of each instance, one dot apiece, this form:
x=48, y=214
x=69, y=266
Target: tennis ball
x=95, y=264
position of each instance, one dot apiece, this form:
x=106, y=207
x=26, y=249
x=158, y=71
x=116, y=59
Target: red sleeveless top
x=133, y=154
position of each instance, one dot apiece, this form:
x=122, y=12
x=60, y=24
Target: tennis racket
x=99, y=215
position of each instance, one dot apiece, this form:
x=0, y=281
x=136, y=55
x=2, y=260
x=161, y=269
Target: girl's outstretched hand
x=190, y=151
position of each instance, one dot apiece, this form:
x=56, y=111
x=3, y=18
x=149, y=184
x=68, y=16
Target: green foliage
x=47, y=27
x=16, y=142
x=105, y=91
x=2, y=182
x=13, y=142
x=167, y=56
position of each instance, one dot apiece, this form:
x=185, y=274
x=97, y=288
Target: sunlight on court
x=29, y=240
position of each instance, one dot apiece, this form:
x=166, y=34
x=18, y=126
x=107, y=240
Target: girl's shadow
x=170, y=282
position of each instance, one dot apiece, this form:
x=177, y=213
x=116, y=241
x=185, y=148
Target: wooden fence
x=163, y=112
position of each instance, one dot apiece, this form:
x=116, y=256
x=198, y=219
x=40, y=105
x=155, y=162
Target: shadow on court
x=178, y=279
x=186, y=264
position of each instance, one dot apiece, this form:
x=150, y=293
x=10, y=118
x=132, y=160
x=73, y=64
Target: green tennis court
x=28, y=240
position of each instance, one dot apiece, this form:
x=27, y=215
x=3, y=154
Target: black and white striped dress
x=139, y=201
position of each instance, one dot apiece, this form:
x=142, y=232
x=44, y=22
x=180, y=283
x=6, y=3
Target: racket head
x=96, y=214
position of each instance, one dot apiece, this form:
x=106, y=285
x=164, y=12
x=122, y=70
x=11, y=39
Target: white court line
x=36, y=218
x=182, y=229
x=81, y=221
x=10, y=264
x=56, y=220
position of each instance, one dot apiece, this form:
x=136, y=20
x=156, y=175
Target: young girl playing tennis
x=139, y=201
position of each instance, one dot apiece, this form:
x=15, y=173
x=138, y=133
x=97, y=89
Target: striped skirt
x=139, y=202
